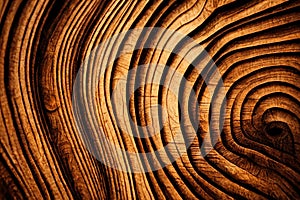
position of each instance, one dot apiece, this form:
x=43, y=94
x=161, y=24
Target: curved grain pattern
x=255, y=46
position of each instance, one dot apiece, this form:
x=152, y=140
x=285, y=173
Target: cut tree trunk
x=50, y=145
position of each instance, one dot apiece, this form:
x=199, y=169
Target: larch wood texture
x=255, y=46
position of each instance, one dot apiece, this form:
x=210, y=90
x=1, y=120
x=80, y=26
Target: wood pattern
x=254, y=44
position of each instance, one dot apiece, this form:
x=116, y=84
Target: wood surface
x=255, y=46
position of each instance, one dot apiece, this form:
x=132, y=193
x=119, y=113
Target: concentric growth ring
x=90, y=79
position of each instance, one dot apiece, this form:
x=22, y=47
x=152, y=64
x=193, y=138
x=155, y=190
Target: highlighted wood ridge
x=150, y=99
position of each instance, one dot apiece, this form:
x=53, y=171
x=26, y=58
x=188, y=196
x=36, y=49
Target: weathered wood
x=255, y=47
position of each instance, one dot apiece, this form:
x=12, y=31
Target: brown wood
x=255, y=46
